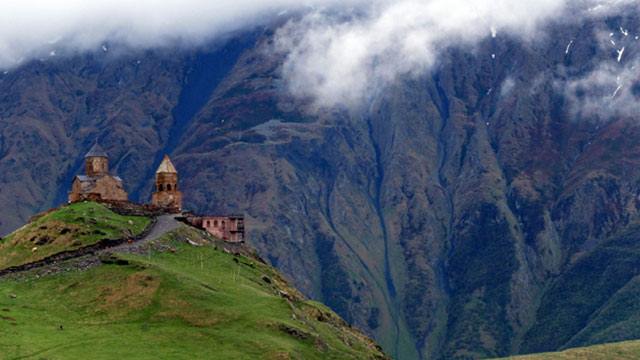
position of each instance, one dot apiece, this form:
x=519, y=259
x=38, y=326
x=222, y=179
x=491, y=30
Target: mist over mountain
x=460, y=183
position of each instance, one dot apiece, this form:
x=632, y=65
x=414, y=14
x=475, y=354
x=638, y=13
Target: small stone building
x=97, y=184
x=167, y=194
x=228, y=228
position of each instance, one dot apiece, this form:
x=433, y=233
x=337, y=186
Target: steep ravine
x=442, y=104
x=378, y=182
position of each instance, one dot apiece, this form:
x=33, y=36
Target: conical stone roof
x=166, y=166
x=96, y=151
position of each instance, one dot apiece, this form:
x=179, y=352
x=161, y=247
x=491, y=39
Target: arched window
x=168, y=187
x=215, y=223
x=223, y=224
x=160, y=187
x=208, y=223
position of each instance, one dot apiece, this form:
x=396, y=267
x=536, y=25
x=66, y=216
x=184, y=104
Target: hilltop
x=67, y=229
x=178, y=294
x=621, y=350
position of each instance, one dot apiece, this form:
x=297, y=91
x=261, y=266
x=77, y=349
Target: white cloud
x=507, y=86
x=337, y=51
x=609, y=90
x=34, y=28
x=343, y=62
x=338, y=60
x=612, y=87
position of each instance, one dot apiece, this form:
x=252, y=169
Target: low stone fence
x=72, y=254
x=127, y=208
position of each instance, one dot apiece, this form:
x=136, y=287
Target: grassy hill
x=621, y=350
x=67, y=228
x=176, y=297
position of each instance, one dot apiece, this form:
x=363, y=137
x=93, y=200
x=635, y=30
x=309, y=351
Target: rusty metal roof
x=96, y=151
x=166, y=166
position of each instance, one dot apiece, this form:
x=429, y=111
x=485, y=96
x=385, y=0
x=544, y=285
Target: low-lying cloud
x=337, y=59
x=338, y=52
x=609, y=91
x=39, y=28
x=612, y=88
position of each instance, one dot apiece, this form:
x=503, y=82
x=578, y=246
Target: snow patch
x=615, y=93
x=620, y=53
x=568, y=47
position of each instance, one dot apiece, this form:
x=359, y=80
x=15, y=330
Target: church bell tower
x=96, y=161
x=167, y=194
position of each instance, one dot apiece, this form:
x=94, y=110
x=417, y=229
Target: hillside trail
x=89, y=256
x=163, y=225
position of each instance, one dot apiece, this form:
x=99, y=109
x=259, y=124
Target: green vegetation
x=67, y=228
x=171, y=301
x=621, y=350
x=594, y=300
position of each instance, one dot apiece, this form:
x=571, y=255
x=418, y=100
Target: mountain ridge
x=473, y=189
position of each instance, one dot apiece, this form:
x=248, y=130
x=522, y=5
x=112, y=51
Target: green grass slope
x=621, y=350
x=594, y=300
x=170, y=300
x=67, y=228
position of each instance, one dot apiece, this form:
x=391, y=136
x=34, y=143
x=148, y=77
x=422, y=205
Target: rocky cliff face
x=463, y=213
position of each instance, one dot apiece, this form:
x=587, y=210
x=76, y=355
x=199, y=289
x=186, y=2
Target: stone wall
x=128, y=208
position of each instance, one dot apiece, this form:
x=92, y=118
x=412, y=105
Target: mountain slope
x=622, y=350
x=445, y=218
x=172, y=299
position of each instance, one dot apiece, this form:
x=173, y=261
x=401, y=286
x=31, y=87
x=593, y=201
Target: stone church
x=97, y=184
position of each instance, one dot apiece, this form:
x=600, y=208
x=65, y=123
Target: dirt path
x=89, y=254
x=163, y=225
